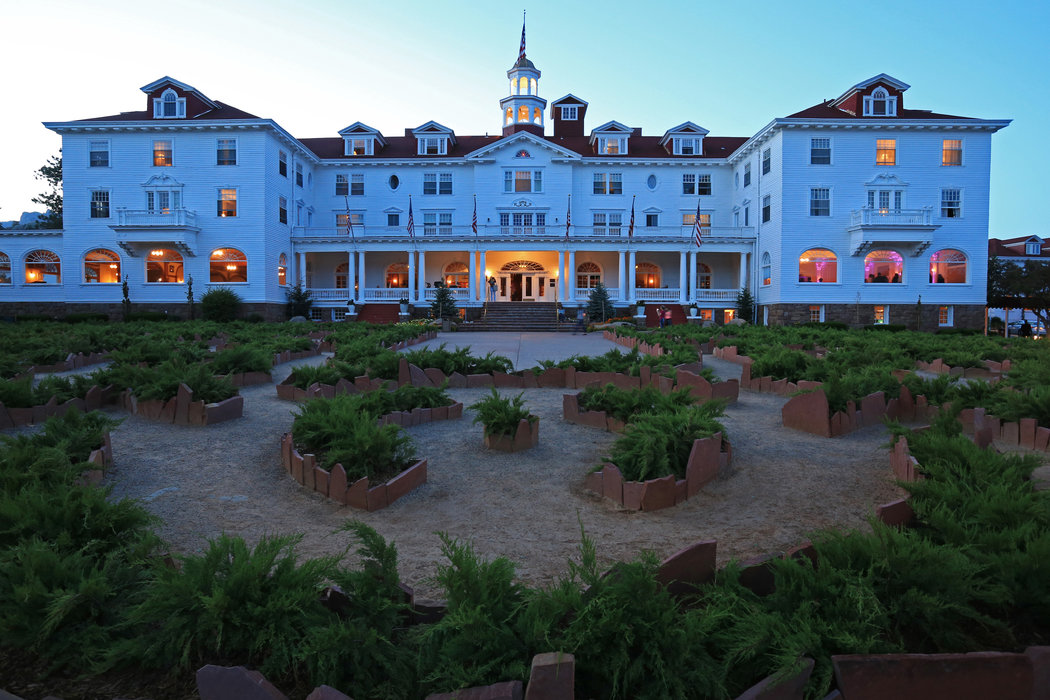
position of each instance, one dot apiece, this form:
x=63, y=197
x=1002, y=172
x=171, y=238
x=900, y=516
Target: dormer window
x=359, y=147
x=880, y=104
x=686, y=147
x=169, y=106
x=612, y=145
x=1033, y=247
x=570, y=114
x=433, y=146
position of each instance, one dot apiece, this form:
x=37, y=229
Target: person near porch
x=492, y=288
x=660, y=315
x=667, y=316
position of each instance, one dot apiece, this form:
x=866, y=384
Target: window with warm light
x=397, y=276
x=98, y=154
x=816, y=313
x=818, y=265
x=537, y=116
x=647, y=276
x=951, y=152
x=767, y=270
x=951, y=203
x=226, y=204
x=456, y=275
x=689, y=219
x=356, y=218
x=227, y=265
x=510, y=115
x=706, y=314
x=885, y=151
x=881, y=315
x=100, y=204
x=588, y=275
x=521, y=181
x=43, y=267
x=945, y=316
x=282, y=270
x=101, y=266
x=164, y=266
x=226, y=151
x=819, y=201
x=163, y=153
x=5, y=268
x=703, y=276
x=728, y=315
x=523, y=113
x=608, y=183
x=359, y=147
x=883, y=266
x=948, y=266
x=612, y=145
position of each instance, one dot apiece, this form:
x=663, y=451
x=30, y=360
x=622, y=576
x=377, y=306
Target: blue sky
x=317, y=66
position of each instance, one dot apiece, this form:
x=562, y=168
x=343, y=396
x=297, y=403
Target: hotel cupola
x=523, y=108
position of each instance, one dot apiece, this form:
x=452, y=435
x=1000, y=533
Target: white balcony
x=552, y=233
x=167, y=218
x=139, y=229
x=909, y=229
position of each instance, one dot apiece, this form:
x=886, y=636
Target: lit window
x=226, y=205
x=101, y=266
x=359, y=147
x=767, y=159
x=282, y=210
x=98, y=154
x=883, y=266
x=357, y=184
x=747, y=174
x=163, y=201
x=169, y=106
x=397, y=276
x=282, y=164
x=226, y=152
x=816, y=313
x=612, y=145
x=43, y=267
x=100, y=204
x=5, y=269
x=948, y=266
x=951, y=203
x=588, y=275
x=518, y=181
x=162, y=152
x=282, y=270
x=819, y=201
x=510, y=115
x=880, y=104
x=767, y=270
x=569, y=114
x=227, y=265
x=342, y=186
x=885, y=151
x=357, y=218
x=951, y=152
x=818, y=265
x=608, y=183
x=647, y=276
x=728, y=315
x=703, y=276
x=456, y=275
x=881, y=315
x=820, y=151
x=689, y=219
x=766, y=209
x=164, y=266
x=945, y=316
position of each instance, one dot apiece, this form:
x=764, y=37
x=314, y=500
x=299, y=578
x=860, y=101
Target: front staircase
x=516, y=316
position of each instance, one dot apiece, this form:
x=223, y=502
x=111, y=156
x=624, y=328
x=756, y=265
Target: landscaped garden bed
x=508, y=425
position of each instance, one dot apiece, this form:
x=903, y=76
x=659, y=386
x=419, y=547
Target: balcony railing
x=144, y=218
x=552, y=233
x=891, y=217
x=328, y=296
x=585, y=294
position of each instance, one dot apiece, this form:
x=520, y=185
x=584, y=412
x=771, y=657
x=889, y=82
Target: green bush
x=220, y=304
x=338, y=432
x=500, y=415
x=243, y=358
x=623, y=404
x=656, y=445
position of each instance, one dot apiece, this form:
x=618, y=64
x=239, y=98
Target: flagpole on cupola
x=521, y=50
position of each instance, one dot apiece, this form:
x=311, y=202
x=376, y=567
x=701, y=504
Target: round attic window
x=650, y=182
x=394, y=182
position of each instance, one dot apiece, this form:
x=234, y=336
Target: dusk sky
x=315, y=67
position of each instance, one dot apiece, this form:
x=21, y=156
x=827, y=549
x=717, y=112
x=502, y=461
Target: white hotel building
x=858, y=210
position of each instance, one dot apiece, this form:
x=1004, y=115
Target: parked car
x=1038, y=329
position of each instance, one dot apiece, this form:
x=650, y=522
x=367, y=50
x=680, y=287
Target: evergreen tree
x=125, y=304
x=444, y=304
x=300, y=300
x=745, y=305
x=189, y=297
x=599, y=305
x=51, y=173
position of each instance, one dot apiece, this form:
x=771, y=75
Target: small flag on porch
x=474, y=220
x=630, y=229
x=697, y=229
x=521, y=50
x=411, y=224
x=568, y=217
x=349, y=221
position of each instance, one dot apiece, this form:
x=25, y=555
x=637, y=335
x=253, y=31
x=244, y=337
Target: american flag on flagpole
x=698, y=231
x=349, y=221
x=474, y=221
x=521, y=51
x=568, y=217
x=411, y=224
x=630, y=229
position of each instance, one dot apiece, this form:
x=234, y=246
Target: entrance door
x=515, y=286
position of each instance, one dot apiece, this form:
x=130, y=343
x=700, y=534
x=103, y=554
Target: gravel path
x=527, y=506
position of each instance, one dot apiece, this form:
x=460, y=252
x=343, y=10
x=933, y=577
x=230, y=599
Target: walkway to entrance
x=526, y=350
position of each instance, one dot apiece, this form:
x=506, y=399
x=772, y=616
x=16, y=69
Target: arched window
x=646, y=276
x=880, y=104
x=588, y=275
x=282, y=270
x=532, y=86
x=5, y=269
x=228, y=265
x=457, y=275
x=523, y=113
x=948, y=266
x=342, y=271
x=818, y=265
x=883, y=266
x=43, y=267
x=767, y=270
x=510, y=115
x=703, y=276
x=523, y=85
x=169, y=106
x=537, y=116
x=101, y=266
x=397, y=276
x=163, y=266
x=522, y=266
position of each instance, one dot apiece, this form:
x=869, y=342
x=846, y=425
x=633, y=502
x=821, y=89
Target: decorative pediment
x=613, y=127
x=164, y=181
x=686, y=139
x=432, y=128
x=519, y=140
x=885, y=180
x=359, y=130
x=568, y=100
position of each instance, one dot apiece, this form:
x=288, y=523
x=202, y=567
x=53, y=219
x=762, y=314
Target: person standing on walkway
x=660, y=315
x=492, y=289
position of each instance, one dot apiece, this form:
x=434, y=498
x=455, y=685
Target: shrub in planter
x=243, y=358
x=220, y=304
x=623, y=404
x=500, y=415
x=656, y=445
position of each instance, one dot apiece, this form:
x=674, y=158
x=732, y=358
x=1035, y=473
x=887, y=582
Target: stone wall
x=912, y=316
x=58, y=309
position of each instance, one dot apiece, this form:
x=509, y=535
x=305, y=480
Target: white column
x=361, y=277
x=621, y=283
x=631, y=277
x=411, y=275
x=472, y=284
x=422, y=286
x=571, y=274
x=561, y=275
x=484, y=275
x=302, y=270
x=743, y=270
x=683, y=280
x=350, y=274
x=693, y=291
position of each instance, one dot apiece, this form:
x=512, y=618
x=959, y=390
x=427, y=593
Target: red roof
x=825, y=111
x=224, y=111
x=1015, y=247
